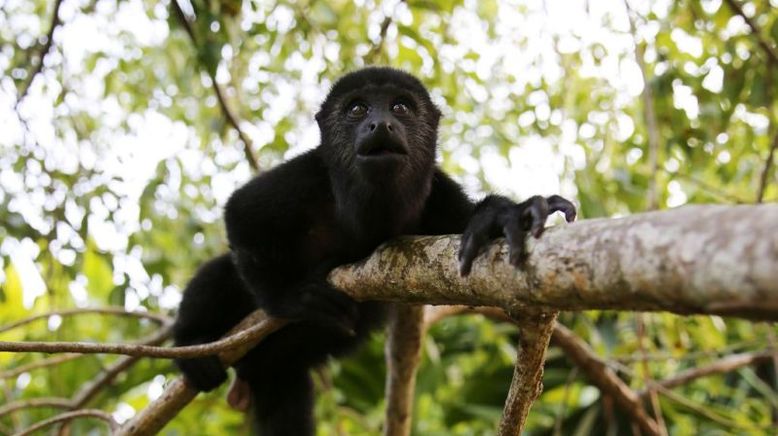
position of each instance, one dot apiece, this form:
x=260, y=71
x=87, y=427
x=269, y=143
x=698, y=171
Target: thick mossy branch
x=696, y=259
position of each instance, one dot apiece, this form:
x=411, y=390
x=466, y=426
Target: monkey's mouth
x=381, y=150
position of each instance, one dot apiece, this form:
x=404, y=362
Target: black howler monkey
x=372, y=178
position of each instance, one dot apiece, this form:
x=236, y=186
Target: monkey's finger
x=474, y=239
x=517, y=243
x=560, y=204
x=472, y=244
x=534, y=212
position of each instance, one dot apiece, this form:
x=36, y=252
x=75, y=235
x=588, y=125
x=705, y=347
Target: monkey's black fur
x=372, y=178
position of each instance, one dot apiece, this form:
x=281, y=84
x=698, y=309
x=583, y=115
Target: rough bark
x=696, y=259
x=527, y=383
x=403, y=350
x=178, y=393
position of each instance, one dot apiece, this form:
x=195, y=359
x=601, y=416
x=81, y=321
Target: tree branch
x=695, y=259
x=51, y=361
x=210, y=348
x=768, y=49
x=229, y=115
x=403, y=351
x=178, y=393
x=652, y=126
x=535, y=328
x=604, y=378
x=116, y=311
x=93, y=387
x=724, y=365
x=768, y=164
x=581, y=355
x=67, y=416
x=56, y=402
x=55, y=21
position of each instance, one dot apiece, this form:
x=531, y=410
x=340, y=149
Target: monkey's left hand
x=497, y=216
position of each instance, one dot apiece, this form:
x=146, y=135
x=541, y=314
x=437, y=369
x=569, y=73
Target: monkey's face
x=379, y=124
x=382, y=131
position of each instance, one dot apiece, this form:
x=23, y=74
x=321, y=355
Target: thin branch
x=232, y=119
x=535, y=332
x=115, y=311
x=248, y=335
x=55, y=21
x=375, y=51
x=652, y=127
x=768, y=49
x=766, y=170
x=725, y=365
x=91, y=388
x=57, y=402
x=51, y=361
x=648, y=380
x=598, y=372
x=702, y=410
x=67, y=416
x=582, y=356
x=179, y=393
x=719, y=192
x=403, y=352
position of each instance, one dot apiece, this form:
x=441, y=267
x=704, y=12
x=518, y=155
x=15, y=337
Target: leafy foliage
x=115, y=165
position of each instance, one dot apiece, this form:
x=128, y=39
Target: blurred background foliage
x=117, y=154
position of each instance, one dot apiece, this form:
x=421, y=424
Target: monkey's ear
x=319, y=118
x=436, y=113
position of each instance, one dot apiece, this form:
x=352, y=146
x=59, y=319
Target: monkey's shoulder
x=283, y=200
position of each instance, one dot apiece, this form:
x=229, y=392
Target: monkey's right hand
x=203, y=373
x=319, y=303
x=497, y=216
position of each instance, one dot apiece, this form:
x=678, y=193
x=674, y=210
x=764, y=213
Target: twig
x=707, y=187
x=62, y=403
x=703, y=410
x=582, y=356
x=378, y=47
x=91, y=388
x=598, y=372
x=768, y=163
x=67, y=416
x=232, y=119
x=178, y=394
x=55, y=21
x=726, y=364
x=116, y=311
x=653, y=396
x=208, y=349
x=652, y=126
x=769, y=50
x=51, y=361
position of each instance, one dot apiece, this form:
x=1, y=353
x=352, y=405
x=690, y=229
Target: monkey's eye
x=400, y=108
x=357, y=110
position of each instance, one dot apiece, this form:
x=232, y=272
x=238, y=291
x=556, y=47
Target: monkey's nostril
x=389, y=126
x=373, y=126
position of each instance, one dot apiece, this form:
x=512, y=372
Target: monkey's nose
x=386, y=124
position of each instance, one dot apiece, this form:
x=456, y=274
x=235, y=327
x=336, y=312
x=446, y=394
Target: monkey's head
x=379, y=123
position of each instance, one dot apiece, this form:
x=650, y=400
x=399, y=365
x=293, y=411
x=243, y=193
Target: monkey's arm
x=282, y=242
x=496, y=216
x=448, y=210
